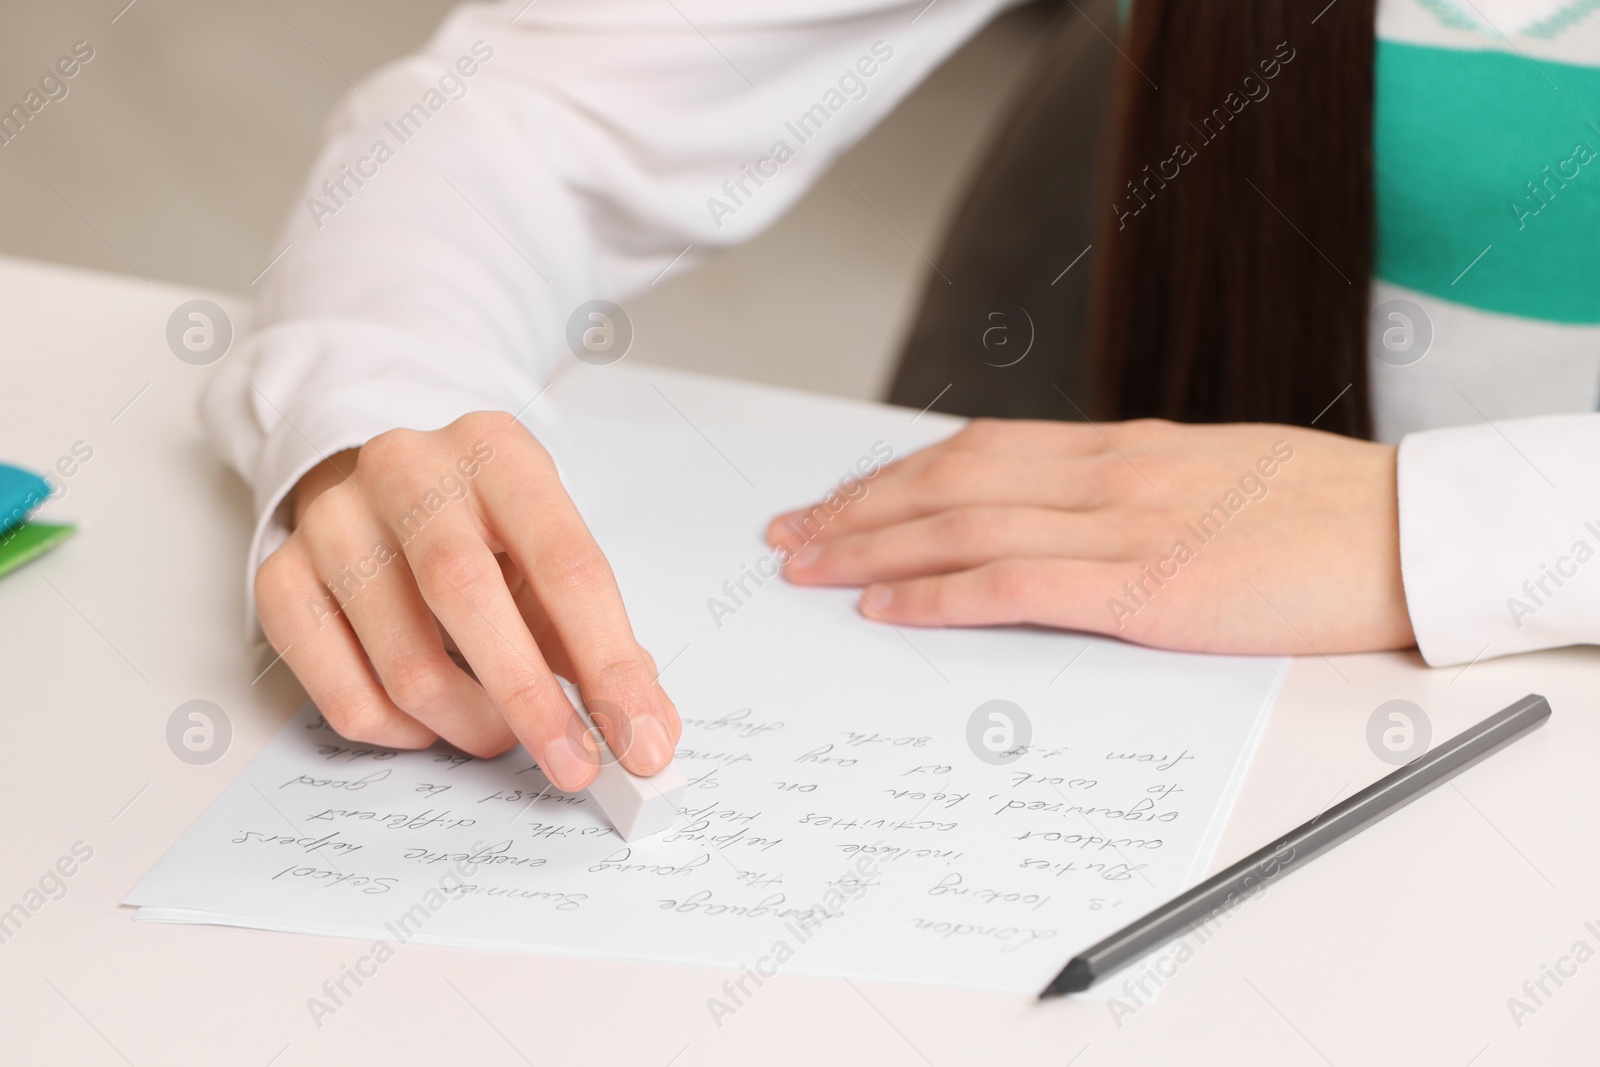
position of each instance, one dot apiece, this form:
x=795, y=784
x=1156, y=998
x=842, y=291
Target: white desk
x=1402, y=946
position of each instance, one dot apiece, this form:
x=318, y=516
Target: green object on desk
x=30, y=540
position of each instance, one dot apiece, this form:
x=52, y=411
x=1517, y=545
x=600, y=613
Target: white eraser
x=636, y=807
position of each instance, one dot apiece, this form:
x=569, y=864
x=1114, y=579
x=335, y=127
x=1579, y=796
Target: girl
x=1317, y=232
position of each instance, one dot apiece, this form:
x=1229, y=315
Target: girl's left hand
x=1249, y=538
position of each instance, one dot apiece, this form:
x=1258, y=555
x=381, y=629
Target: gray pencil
x=1345, y=819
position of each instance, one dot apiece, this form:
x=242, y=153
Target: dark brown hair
x=1237, y=246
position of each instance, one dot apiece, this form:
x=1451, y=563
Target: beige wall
x=181, y=144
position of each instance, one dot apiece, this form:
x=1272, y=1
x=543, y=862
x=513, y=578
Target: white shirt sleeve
x=531, y=158
x=1500, y=536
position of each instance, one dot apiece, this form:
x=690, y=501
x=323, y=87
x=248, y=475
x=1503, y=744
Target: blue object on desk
x=20, y=492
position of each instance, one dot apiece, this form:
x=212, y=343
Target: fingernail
x=792, y=530
x=567, y=763
x=651, y=747
x=875, y=598
x=806, y=557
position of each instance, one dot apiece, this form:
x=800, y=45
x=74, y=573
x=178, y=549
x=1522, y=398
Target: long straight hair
x=1238, y=241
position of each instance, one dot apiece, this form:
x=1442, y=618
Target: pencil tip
x=1075, y=977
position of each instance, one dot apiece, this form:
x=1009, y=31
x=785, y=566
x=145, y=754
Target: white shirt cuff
x=1500, y=536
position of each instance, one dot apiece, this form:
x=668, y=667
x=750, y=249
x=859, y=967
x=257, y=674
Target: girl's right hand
x=420, y=543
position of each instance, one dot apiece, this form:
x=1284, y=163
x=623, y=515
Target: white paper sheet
x=838, y=821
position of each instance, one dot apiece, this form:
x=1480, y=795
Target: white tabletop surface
x=1402, y=946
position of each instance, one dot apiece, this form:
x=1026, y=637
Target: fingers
x=395, y=627
x=550, y=643
x=459, y=579
x=495, y=565
x=461, y=582
x=948, y=477
x=303, y=622
x=1066, y=594
x=576, y=592
x=958, y=540
x=669, y=709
